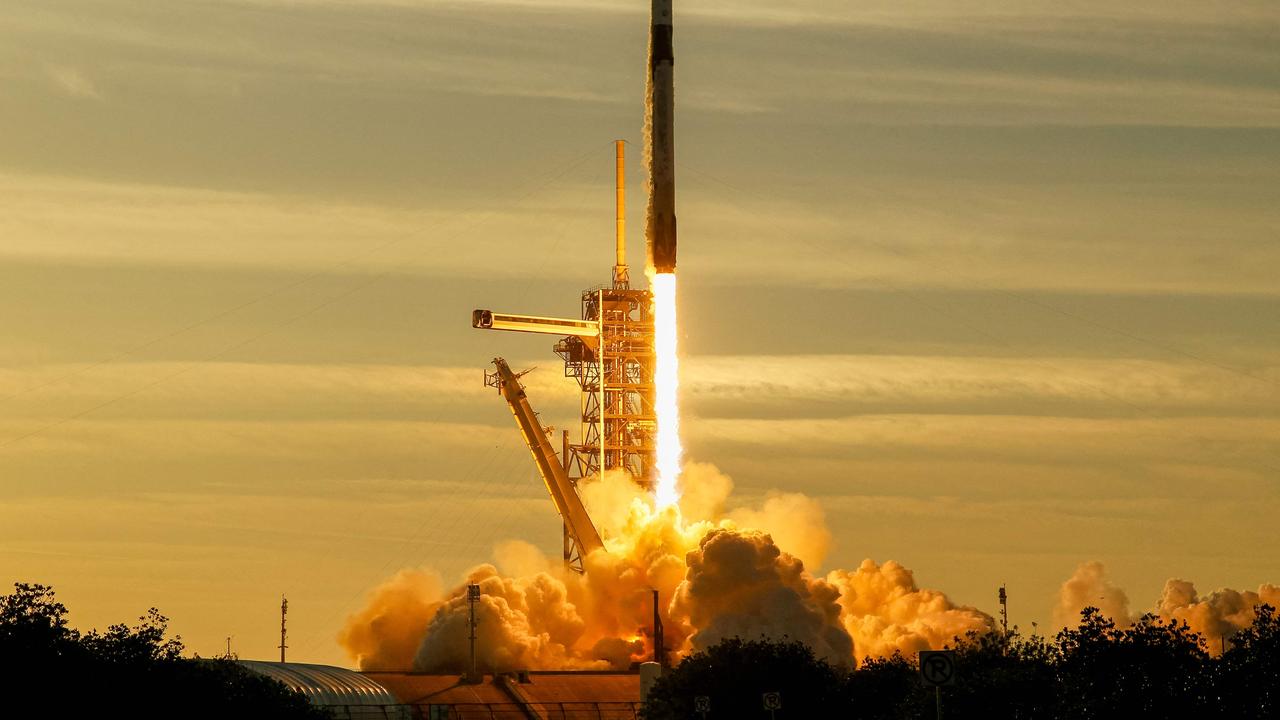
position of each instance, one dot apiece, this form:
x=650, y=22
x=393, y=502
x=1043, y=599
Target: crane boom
x=568, y=504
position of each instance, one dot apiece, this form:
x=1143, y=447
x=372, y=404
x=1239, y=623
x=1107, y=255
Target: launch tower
x=609, y=353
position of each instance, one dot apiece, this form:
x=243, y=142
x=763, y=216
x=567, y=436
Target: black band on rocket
x=662, y=45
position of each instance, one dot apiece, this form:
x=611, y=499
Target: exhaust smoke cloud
x=386, y=633
x=719, y=574
x=1216, y=616
x=1088, y=586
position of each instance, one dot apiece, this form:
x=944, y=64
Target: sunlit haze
x=970, y=293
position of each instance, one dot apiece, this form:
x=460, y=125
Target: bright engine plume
x=666, y=380
x=660, y=237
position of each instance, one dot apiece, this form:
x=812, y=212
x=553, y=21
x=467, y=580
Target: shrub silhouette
x=1152, y=669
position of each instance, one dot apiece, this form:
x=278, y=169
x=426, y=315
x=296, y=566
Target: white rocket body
x=660, y=228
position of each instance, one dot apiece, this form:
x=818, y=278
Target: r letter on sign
x=938, y=667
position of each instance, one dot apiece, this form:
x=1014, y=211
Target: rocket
x=660, y=223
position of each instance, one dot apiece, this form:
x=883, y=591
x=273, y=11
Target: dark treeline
x=1152, y=669
x=49, y=669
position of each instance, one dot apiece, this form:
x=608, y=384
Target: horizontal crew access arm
x=565, y=497
x=490, y=320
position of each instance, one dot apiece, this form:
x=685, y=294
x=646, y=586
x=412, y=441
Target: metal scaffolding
x=616, y=379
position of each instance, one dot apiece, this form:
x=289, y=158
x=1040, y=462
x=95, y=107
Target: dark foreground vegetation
x=1096, y=670
x=48, y=669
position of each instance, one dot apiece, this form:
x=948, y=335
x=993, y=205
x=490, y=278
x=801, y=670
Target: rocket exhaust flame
x=660, y=236
x=666, y=380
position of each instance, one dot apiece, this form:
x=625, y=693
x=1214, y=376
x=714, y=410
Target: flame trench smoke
x=721, y=572
x=720, y=578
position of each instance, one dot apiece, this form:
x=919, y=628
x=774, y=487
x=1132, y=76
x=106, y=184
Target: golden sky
x=996, y=282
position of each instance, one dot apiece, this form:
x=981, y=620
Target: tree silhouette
x=736, y=673
x=883, y=688
x=1247, y=678
x=55, y=670
x=999, y=674
x=1151, y=669
x=33, y=628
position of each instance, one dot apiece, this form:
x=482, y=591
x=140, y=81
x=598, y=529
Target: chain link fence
x=490, y=711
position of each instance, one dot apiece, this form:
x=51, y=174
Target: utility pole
x=1004, y=610
x=659, y=652
x=284, y=610
x=473, y=596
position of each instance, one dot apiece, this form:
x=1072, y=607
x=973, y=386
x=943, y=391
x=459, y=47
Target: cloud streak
x=73, y=82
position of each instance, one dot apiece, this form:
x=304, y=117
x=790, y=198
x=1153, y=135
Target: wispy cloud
x=971, y=63
x=869, y=384
x=166, y=225
x=992, y=235
x=212, y=390
x=73, y=82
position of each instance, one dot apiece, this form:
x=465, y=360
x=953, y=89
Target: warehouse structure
x=535, y=695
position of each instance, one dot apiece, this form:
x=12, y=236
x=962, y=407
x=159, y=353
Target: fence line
x=489, y=711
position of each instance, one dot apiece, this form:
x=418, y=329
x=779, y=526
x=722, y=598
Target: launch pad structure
x=609, y=352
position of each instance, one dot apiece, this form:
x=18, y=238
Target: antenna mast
x=1004, y=610
x=659, y=643
x=284, y=610
x=473, y=596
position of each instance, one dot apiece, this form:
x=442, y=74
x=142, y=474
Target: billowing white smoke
x=1216, y=616
x=884, y=611
x=797, y=522
x=525, y=622
x=386, y=633
x=1088, y=586
x=739, y=584
x=719, y=573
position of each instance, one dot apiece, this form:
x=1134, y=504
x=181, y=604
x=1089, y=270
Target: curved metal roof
x=325, y=684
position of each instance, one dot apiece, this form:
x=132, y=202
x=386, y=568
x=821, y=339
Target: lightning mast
x=621, y=276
